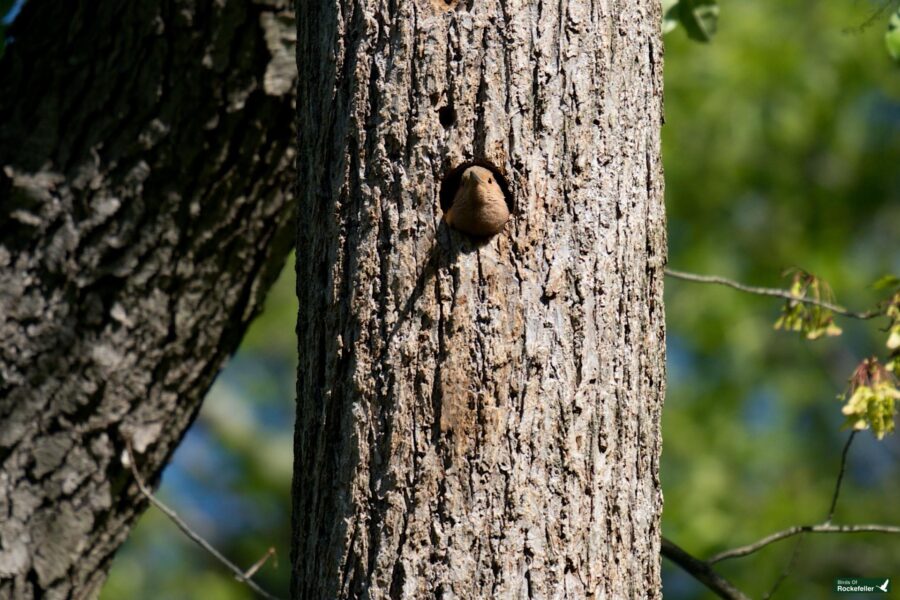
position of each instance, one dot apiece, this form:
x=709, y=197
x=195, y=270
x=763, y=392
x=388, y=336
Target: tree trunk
x=145, y=173
x=479, y=418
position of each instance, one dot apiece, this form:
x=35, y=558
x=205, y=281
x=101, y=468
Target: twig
x=795, y=554
x=258, y=564
x=796, y=530
x=774, y=292
x=786, y=571
x=184, y=527
x=702, y=571
x=840, y=477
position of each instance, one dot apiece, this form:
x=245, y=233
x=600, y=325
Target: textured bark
x=145, y=172
x=479, y=419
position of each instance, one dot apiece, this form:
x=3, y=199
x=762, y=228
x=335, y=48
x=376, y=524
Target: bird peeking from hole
x=479, y=207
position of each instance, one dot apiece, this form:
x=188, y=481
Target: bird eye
x=490, y=180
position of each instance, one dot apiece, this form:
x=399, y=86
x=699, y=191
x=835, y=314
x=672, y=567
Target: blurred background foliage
x=781, y=148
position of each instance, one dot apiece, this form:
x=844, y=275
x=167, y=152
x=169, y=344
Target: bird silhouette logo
x=884, y=586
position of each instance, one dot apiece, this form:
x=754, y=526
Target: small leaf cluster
x=871, y=399
x=811, y=320
x=872, y=402
x=892, y=311
x=700, y=18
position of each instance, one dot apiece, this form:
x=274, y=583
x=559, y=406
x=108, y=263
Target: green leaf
x=700, y=18
x=887, y=282
x=893, y=342
x=872, y=402
x=872, y=407
x=892, y=36
x=671, y=15
x=811, y=320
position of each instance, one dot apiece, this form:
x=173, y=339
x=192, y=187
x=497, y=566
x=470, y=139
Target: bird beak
x=475, y=175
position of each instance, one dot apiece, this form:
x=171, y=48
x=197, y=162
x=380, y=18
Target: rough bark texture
x=479, y=419
x=145, y=172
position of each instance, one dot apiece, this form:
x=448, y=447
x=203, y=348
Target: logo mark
x=862, y=585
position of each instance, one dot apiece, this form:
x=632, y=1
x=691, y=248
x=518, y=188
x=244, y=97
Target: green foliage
x=671, y=15
x=893, y=341
x=892, y=36
x=780, y=148
x=873, y=390
x=887, y=282
x=811, y=320
x=891, y=309
x=872, y=399
x=700, y=18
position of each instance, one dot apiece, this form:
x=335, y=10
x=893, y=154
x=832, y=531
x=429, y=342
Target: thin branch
x=773, y=292
x=258, y=564
x=795, y=554
x=184, y=527
x=840, y=477
x=701, y=571
x=796, y=530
